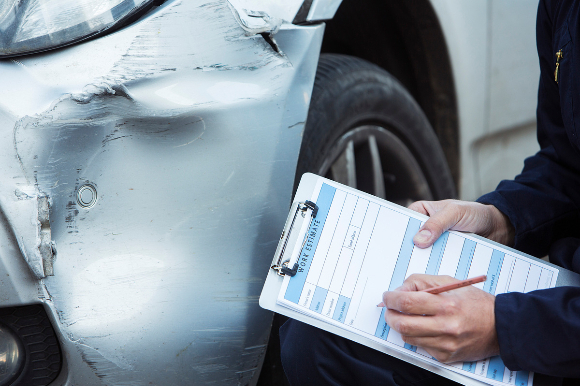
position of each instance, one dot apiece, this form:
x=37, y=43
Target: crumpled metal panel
x=189, y=131
x=257, y=16
x=27, y=211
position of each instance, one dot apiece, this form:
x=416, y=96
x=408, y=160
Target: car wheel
x=366, y=131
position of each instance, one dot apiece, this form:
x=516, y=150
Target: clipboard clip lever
x=284, y=270
x=281, y=267
x=304, y=206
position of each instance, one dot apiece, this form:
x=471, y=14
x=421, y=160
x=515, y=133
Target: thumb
x=439, y=222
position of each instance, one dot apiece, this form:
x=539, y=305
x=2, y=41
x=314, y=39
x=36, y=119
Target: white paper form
x=357, y=247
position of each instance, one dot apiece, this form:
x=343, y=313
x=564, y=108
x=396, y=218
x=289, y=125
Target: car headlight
x=28, y=26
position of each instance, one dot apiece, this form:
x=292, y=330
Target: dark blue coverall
x=538, y=331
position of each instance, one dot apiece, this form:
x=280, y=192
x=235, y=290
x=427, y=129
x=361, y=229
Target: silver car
x=149, y=150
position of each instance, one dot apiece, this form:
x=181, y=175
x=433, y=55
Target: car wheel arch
x=406, y=40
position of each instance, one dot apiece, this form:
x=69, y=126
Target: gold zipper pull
x=558, y=57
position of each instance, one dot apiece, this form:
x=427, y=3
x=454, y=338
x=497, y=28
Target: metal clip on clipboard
x=303, y=209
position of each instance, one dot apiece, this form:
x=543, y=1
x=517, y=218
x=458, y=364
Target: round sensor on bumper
x=87, y=196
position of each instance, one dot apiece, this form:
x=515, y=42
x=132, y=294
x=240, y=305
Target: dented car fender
x=188, y=141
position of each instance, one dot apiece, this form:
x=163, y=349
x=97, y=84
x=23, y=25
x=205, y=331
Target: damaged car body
x=148, y=154
x=136, y=140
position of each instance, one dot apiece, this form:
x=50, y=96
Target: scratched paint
x=191, y=140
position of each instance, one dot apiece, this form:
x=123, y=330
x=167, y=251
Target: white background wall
x=493, y=52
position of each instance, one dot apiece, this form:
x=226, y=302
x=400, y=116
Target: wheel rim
x=374, y=160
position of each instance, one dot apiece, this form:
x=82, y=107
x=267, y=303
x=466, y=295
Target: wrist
x=493, y=342
x=502, y=229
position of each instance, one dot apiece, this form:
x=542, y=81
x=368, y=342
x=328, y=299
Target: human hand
x=466, y=216
x=457, y=325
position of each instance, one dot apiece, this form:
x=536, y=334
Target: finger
x=420, y=282
x=418, y=206
x=414, y=325
x=415, y=303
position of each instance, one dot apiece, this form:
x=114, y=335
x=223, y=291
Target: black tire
x=365, y=130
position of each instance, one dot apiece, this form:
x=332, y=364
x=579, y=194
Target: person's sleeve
x=542, y=202
x=538, y=331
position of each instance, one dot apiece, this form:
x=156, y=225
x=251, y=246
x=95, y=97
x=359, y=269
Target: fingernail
x=381, y=304
x=422, y=237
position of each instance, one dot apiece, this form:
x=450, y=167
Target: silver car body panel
x=323, y=9
x=190, y=140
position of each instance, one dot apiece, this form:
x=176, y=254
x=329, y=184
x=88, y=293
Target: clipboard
x=301, y=215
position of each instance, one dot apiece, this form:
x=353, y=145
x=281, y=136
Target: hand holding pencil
x=450, y=286
x=456, y=325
